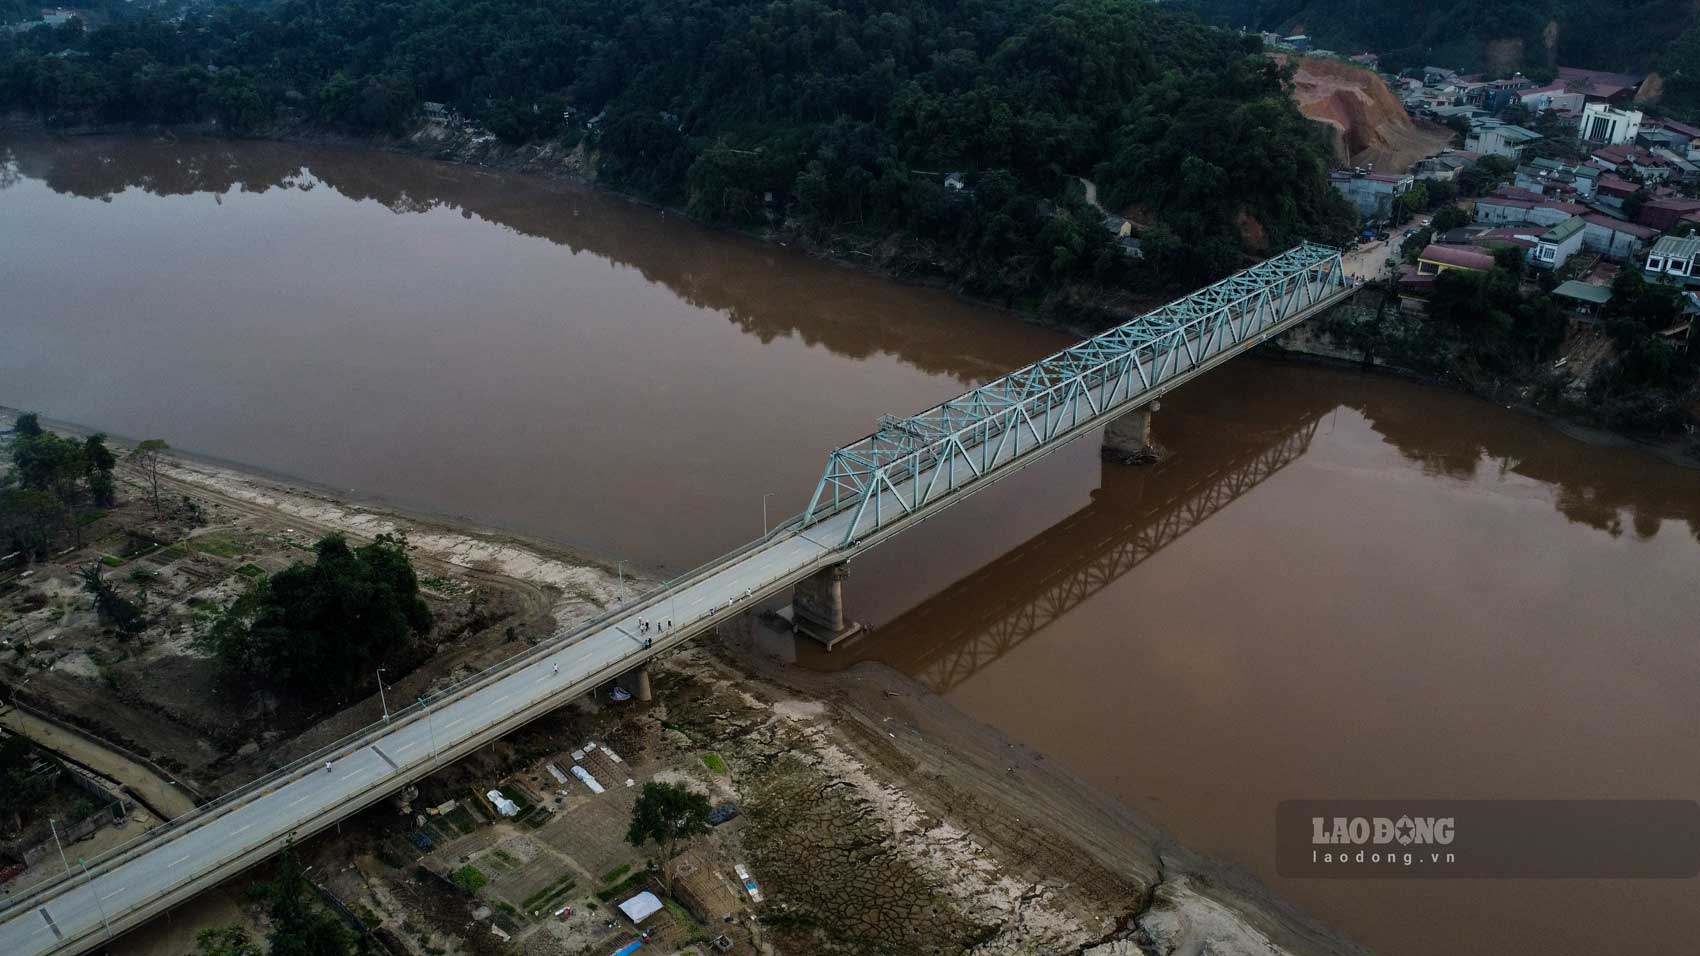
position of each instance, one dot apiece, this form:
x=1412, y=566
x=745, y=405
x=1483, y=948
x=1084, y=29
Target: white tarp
x=585, y=776
x=504, y=806
x=641, y=907
x=555, y=772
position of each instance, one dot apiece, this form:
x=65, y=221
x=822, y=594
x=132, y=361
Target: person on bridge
x=556, y=666
x=327, y=766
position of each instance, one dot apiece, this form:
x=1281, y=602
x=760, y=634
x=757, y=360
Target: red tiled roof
x=1627, y=228
x=1673, y=126
x=1459, y=257
x=1599, y=76
x=1615, y=186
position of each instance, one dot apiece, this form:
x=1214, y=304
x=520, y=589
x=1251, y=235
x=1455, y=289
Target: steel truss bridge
x=907, y=464
x=968, y=626
x=904, y=472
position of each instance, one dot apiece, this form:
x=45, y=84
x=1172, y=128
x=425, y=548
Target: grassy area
x=547, y=898
x=469, y=878
x=621, y=888
x=111, y=561
x=217, y=545
x=461, y=819
x=168, y=555
x=614, y=875
x=252, y=571
x=714, y=763
x=90, y=518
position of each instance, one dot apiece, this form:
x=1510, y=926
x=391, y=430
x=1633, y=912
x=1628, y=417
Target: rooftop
x=1564, y=230
x=1457, y=257
x=1677, y=247
x=1627, y=228
x=1597, y=294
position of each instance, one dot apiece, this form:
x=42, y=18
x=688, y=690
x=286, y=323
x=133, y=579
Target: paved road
x=175, y=862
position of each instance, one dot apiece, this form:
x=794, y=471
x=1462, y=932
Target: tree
x=1448, y=218
x=99, y=461
x=27, y=520
x=110, y=606
x=225, y=941
x=28, y=425
x=299, y=927
x=320, y=629
x=20, y=787
x=149, y=456
x=664, y=814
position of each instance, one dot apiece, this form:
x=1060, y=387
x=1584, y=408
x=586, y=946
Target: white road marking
x=179, y=860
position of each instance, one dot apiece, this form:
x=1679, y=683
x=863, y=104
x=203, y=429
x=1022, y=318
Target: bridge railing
x=1106, y=373
x=310, y=763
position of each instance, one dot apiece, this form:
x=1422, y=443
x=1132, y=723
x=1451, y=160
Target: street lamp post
x=428, y=724
x=53, y=824
x=94, y=893
x=381, y=698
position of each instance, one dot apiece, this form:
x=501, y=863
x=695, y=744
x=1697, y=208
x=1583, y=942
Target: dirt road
x=158, y=793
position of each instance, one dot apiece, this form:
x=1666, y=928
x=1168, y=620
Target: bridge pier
x=643, y=692
x=817, y=606
x=1127, y=438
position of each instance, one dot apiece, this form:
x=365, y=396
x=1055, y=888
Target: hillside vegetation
x=1474, y=34
x=838, y=118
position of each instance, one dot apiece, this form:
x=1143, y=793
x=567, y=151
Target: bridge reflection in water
x=964, y=628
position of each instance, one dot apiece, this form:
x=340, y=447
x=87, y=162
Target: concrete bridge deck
x=170, y=864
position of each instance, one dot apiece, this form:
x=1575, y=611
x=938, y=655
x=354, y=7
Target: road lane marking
x=179, y=860
x=386, y=757
x=298, y=799
x=50, y=924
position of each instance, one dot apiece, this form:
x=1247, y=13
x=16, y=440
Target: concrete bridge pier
x=817, y=606
x=1127, y=439
x=643, y=692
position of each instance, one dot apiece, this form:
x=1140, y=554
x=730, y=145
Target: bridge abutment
x=817, y=606
x=1127, y=438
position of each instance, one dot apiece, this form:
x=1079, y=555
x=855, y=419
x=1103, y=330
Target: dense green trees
x=1501, y=329
x=664, y=814
x=1644, y=387
x=20, y=787
x=52, y=485
x=841, y=118
x=319, y=629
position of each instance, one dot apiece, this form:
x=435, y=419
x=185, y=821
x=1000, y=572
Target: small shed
x=1582, y=298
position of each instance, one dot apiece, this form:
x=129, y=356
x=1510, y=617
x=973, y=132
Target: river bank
x=1024, y=855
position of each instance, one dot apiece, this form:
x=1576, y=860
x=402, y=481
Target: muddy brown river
x=1335, y=585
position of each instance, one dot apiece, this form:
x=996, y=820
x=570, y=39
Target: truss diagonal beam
x=908, y=464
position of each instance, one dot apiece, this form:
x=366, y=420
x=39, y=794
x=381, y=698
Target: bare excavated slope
x=1371, y=124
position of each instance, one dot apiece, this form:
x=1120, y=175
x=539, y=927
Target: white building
x=1500, y=139
x=1608, y=125
x=1555, y=246
x=1674, y=259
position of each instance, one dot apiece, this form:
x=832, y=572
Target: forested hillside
x=843, y=116
x=1474, y=34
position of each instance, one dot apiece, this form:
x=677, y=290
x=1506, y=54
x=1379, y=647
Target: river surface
x=1335, y=585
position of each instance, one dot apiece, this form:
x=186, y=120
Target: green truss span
x=910, y=464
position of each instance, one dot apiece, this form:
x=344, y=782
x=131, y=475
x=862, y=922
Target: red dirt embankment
x=1371, y=123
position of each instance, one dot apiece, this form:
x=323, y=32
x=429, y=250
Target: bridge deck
x=131, y=884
